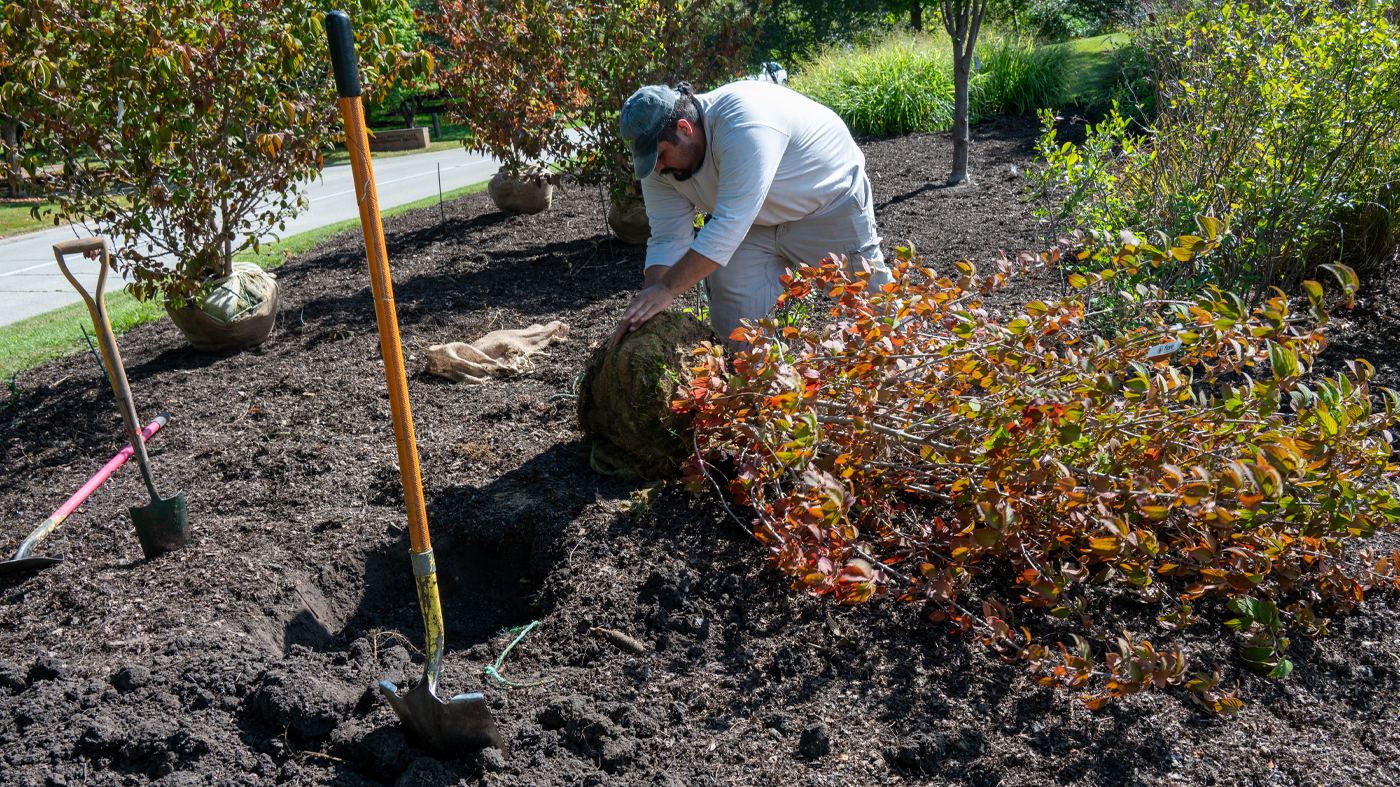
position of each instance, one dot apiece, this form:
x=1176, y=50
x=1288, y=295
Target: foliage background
x=1284, y=120
x=539, y=79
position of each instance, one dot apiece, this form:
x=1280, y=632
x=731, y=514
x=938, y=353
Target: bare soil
x=249, y=658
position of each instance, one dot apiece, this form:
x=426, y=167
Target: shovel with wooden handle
x=463, y=724
x=162, y=525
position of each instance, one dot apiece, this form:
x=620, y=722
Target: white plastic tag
x=1163, y=350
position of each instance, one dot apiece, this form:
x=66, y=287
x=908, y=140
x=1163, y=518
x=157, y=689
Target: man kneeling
x=782, y=179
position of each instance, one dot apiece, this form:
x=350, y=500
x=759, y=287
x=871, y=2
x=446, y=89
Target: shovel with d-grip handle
x=463, y=724
x=163, y=524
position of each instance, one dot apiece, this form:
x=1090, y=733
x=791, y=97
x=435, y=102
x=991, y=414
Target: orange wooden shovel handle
x=357, y=140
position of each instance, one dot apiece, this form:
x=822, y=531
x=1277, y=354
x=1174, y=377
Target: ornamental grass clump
x=916, y=440
x=905, y=84
x=1018, y=77
x=896, y=87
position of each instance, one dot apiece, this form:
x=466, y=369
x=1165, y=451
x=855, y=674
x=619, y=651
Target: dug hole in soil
x=249, y=658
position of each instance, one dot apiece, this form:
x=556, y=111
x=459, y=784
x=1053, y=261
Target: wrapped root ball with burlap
x=531, y=190
x=624, y=401
x=629, y=222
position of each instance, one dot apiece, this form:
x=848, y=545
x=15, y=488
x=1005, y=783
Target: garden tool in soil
x=22, y=560
x=162, y=525
x=463, y=724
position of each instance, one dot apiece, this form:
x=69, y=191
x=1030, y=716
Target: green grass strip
x=35, y=341
x=39, y=339
x=15, y=220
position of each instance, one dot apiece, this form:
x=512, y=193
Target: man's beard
x=685, y=173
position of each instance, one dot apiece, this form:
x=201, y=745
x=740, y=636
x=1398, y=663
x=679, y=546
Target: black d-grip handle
x=342, y=43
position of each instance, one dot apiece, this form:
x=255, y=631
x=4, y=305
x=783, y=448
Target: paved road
x=31, y=283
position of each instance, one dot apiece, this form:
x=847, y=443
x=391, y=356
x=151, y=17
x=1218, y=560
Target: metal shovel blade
x=28, y=563
x=161, y=526
x=455, y=728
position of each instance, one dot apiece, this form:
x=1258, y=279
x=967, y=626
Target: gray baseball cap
x=643, y=115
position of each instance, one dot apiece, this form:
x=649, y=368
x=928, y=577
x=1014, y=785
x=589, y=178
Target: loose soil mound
x=249, y=658
x=624, y=400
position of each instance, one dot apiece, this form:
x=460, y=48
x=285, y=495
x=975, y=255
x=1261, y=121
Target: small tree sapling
x=545, y=79
x=963, y=21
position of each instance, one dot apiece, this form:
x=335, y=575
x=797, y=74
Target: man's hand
x=648, y=303
x=659, y=293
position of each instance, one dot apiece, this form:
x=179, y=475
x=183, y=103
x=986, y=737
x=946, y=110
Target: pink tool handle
x=107, y=469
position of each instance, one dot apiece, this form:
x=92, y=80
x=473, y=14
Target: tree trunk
x=11, y=149
x=963, y=20
x=962, y=72
x=228, y=240
x=916, y=17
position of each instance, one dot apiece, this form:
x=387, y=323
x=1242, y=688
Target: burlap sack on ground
x=529, y=191
x=497, y=354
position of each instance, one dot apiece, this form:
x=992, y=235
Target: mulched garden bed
x=249, y=658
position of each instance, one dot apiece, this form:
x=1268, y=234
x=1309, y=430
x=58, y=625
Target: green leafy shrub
x=905, y=83
x=1193, y=455
x=1059, y=20
x=795, y=30
x=535, y=79
x=1284, y=121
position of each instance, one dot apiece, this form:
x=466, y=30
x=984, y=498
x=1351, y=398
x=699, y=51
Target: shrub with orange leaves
x=1193, y=450
x=545, y=79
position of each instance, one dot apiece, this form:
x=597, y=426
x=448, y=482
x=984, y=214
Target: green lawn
x=1091, y=68
x=342, y=156
x=15, y=220
x=29, y=343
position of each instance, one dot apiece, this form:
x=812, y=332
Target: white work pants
x=748, y=287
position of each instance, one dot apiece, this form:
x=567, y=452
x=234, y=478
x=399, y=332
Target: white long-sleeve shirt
x=772, y=156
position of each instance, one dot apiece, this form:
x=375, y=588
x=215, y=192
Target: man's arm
x=653, y=274
x=663, y=284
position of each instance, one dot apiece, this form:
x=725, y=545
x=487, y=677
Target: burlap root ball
x=529, y=191
x=629, y=223
x=624, y=401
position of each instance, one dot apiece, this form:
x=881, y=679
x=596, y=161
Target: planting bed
x=249, y=657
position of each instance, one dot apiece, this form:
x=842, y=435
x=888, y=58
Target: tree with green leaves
x=183, y=128
x=963, y=21
x=914, y=8
x=793, y=30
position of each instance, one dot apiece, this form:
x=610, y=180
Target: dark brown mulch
x=249, y=657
